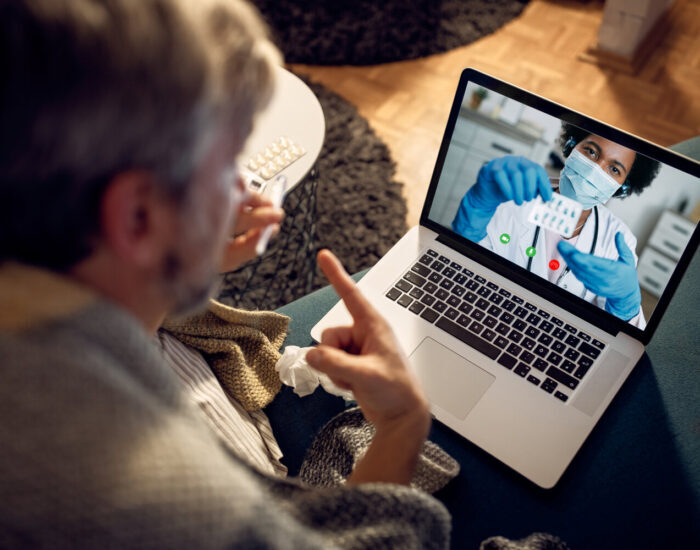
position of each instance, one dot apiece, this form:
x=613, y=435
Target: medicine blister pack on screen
x=559, y=214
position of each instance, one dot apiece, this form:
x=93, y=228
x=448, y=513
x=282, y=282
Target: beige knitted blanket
x=242, y=348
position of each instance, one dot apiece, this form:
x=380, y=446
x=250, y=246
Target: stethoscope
x=593, y=244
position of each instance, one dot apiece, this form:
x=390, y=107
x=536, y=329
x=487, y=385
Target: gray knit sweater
x=98, y=448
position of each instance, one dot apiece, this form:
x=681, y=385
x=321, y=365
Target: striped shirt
x=246, y=433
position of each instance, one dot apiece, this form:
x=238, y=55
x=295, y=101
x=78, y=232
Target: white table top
x=293, y=112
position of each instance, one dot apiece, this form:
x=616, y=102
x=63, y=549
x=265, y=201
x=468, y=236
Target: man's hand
x=367, y=359
x=252, y=217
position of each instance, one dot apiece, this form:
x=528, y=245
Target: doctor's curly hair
x=643, y=170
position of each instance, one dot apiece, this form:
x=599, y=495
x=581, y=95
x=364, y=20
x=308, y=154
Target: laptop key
x=492, y=286
x=532, y=332
x=452, y=313
x=422, y=270
x=515, y=336
x=508, y=361
x=459, y=290
x=467, y=272
x=531, y=307
x=477, y=314
x=573, y=341
x=482, y=304
x=507, y=318
x=442, y=294
x=480, y=279
x=431, y=252
x=404, y=285
x=490, y=321
x=561, y=396
x=554, y=358
x=470, y=297
x=447, y=284
x=464, y=320
x=568, y=366
x=572, y=354
x=453, y=301
x=503, y=292
x=414, y=278
x=533, y=319
x=488, y=335
x=598, y=344
x=476, y=327
x=460, y=278
x=528, y=344
x=544, y=339
x=430, y=315
x=428, y=300
x=437, y=266
x=520, y=312
x=549, y=385
x=416, y=293
x=540, y=364
x=426, y=259
x=455, y=265
x=571, y=329
x=514, y=349
x=527, y=357
x=393, y=294
x=546, y=326
x=556, y=321
x=559, y=333
x=503, y=329
x=508, y=305
x=563, y=378
x=435, y=277
x=518, y=300
x=522, y=369
x=520, y=325
x=541, y=350
x=542, y=313
x=404, y=300
x=416, y=307
x=585, y=361
x=494, y=310
x=445, y=260
x=495, y=298
x=589, y=350
x=581, y=372
x=558, y=346
x=583, y=336
x=501, y=342
x=533, y=379
x=439, y=306
x=430, y=287
x=483, y=291
x=448, y=272
x=473, y=285
x=465, y=307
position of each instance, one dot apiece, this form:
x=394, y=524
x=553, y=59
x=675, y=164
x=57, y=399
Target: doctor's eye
x=591, y=151
x=615, y=170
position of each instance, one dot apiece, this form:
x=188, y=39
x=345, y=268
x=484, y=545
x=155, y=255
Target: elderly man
x=120, y=120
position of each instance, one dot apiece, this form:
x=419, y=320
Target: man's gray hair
x=92, y=88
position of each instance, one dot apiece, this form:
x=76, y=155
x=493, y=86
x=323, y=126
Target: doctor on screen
x=598, y=262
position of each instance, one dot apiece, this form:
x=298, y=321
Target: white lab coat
x=512, y=219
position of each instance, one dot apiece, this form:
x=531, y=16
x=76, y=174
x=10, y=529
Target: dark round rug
x=367, y=32
x=352, y=205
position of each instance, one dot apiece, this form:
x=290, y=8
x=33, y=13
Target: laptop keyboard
x=532, y=343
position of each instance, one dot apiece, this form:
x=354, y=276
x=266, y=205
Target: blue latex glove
x=503, y=179
x=615, y=280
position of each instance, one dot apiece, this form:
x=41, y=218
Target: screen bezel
x=520, y=275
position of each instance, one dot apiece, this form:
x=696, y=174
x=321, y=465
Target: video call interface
x=593, y=217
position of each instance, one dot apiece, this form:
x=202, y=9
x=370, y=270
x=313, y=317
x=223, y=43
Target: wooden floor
x=407, y=103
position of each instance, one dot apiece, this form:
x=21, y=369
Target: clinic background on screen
x=509, y=164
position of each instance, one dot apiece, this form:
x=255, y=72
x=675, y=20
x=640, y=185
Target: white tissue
x=295, y=372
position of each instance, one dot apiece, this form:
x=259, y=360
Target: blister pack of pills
x=274, y=158
x=559, y=214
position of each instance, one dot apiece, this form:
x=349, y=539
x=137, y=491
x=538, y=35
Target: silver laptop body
x=502, y=392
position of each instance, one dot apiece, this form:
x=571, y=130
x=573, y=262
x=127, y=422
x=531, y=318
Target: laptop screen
x=565, y=198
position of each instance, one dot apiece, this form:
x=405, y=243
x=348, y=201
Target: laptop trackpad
x=449, y=380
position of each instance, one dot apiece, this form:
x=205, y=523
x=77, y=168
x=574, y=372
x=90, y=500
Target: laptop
x=514, y=352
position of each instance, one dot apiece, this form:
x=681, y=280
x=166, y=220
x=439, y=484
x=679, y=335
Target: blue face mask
x=584, y=181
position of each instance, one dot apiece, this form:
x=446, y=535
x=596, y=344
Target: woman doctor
x=597, y=262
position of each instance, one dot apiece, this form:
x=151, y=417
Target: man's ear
x=137, y=220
